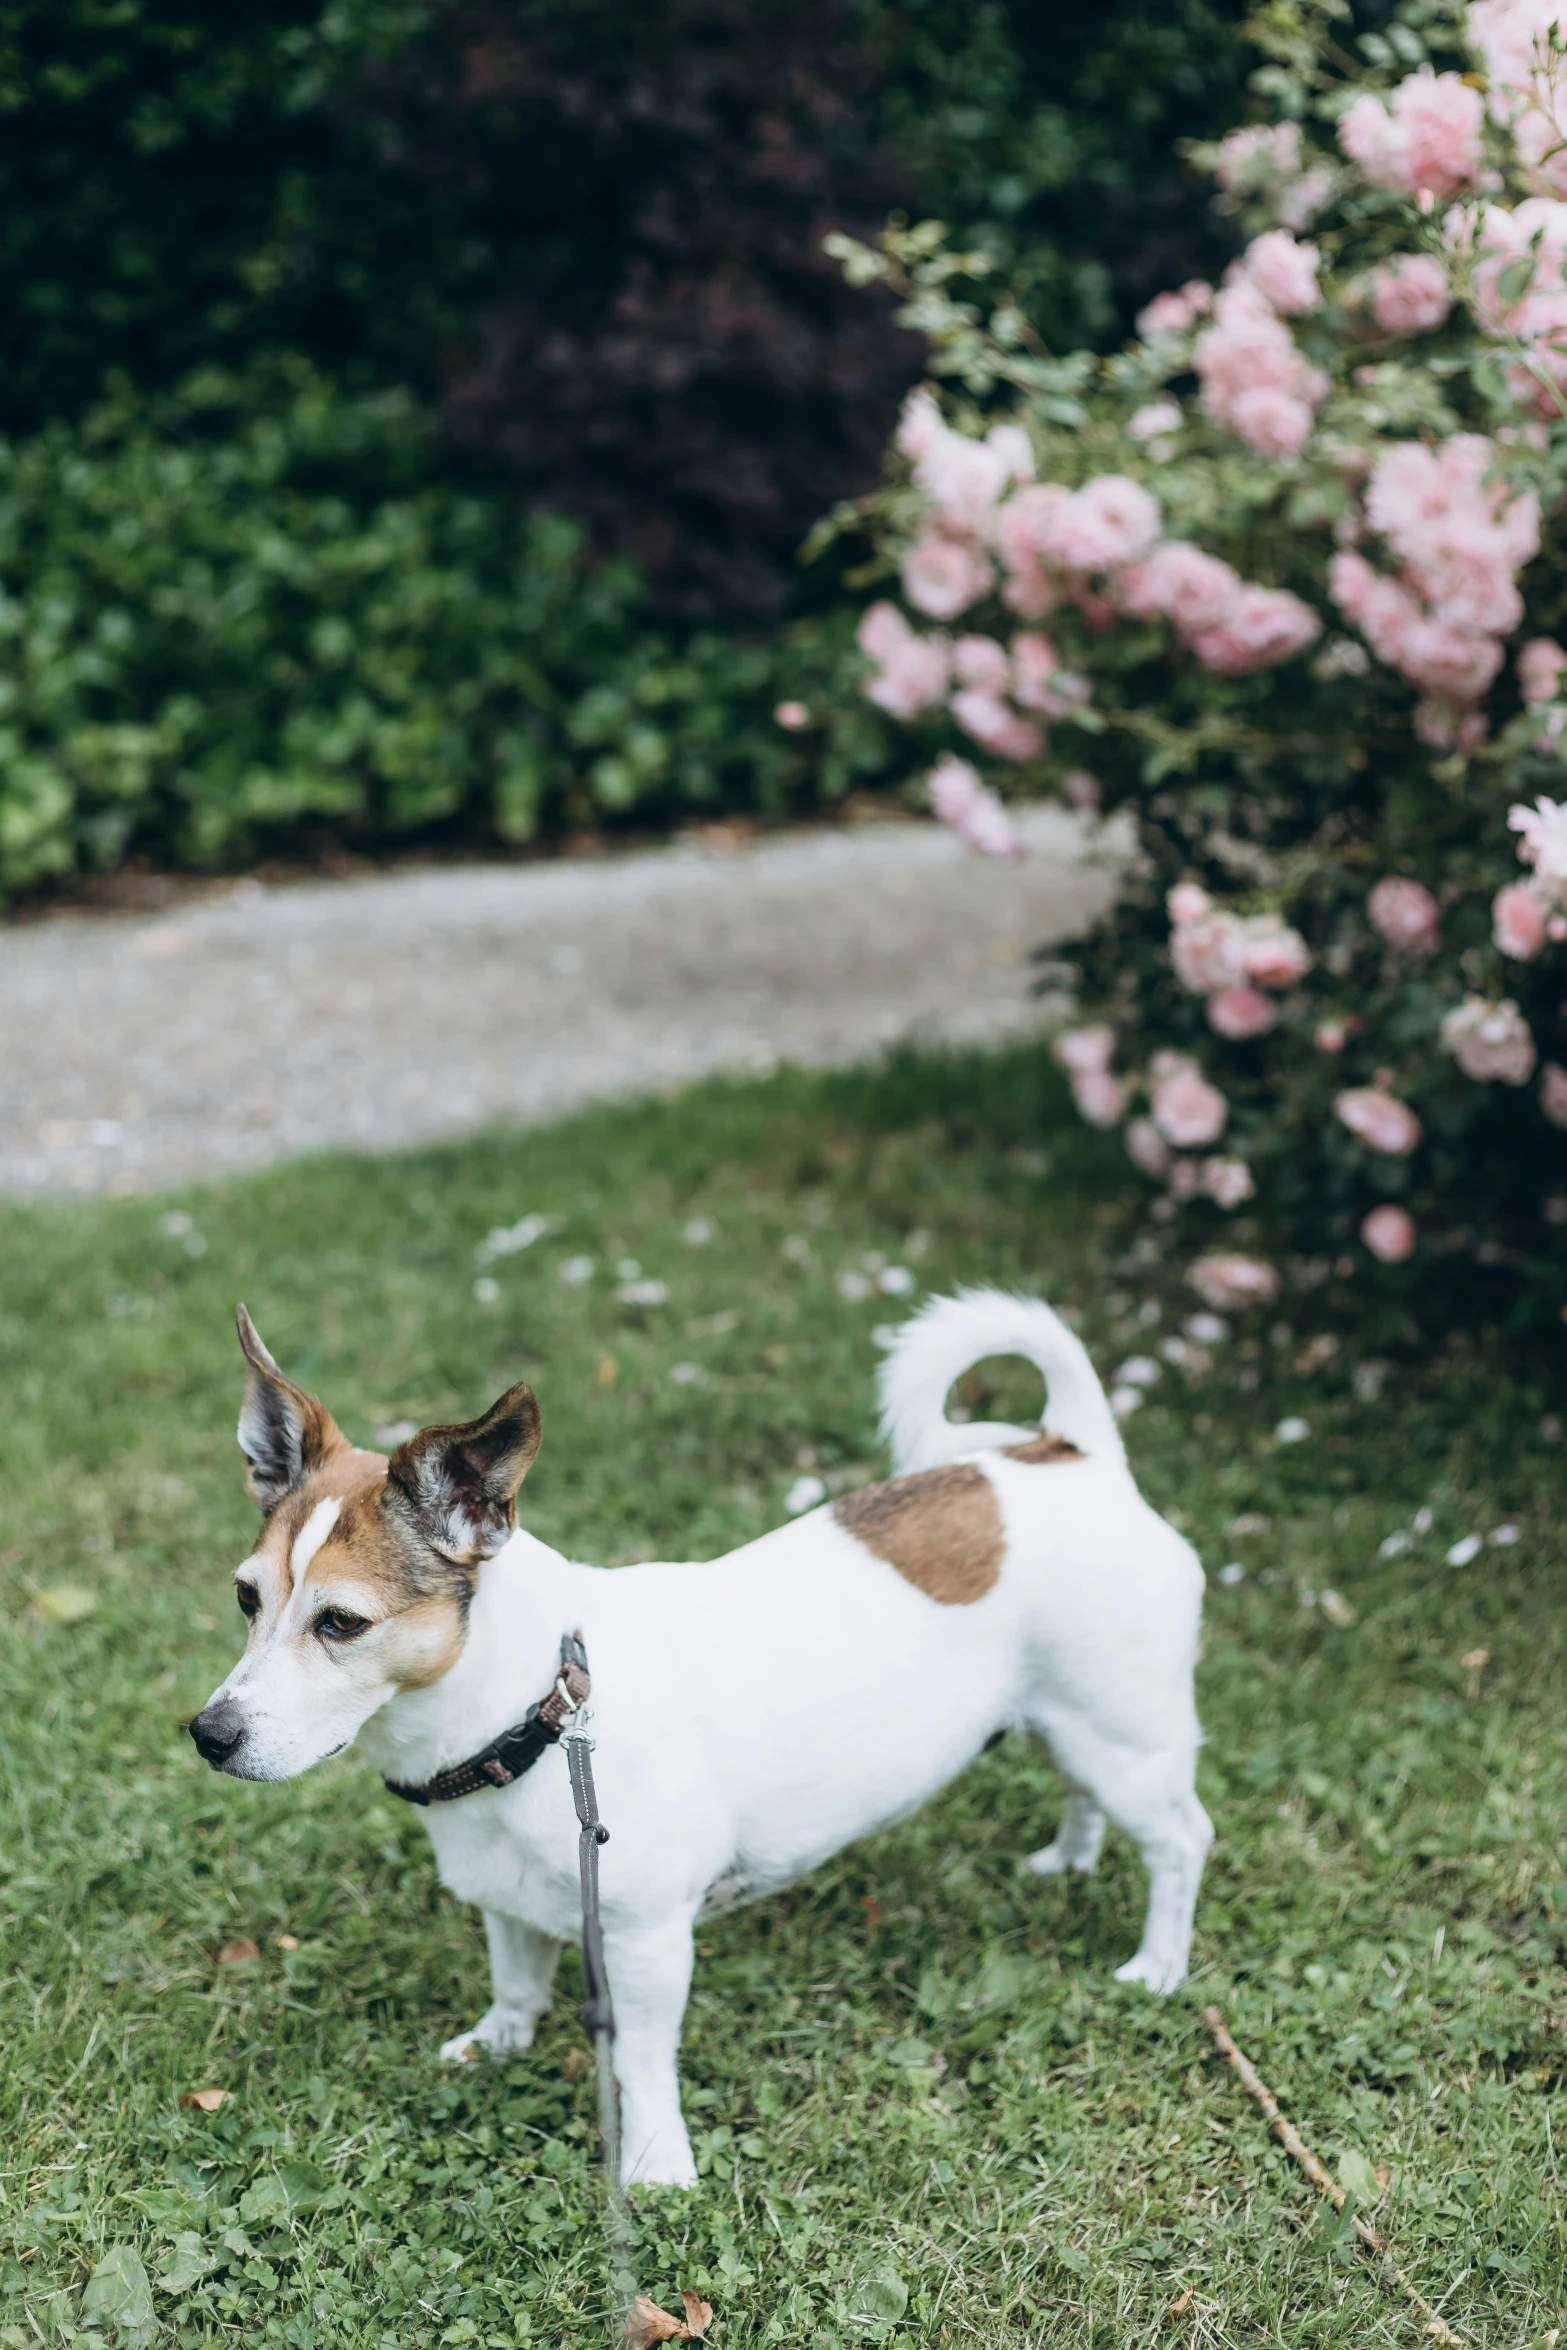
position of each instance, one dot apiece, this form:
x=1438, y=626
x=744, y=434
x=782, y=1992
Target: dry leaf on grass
x=239, y=1953
x=206, y=2100
x=1180, y=2307
x=65, y=1603
x=646, y=2323
x=287, y=1942
x=574, y=2063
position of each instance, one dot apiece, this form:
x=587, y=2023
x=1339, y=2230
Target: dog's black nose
x=217, y=1730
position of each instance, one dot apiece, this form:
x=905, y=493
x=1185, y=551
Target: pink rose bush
x=1279, y=579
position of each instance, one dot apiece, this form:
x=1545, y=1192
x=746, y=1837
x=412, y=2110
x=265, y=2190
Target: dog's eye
x=249, y=1599
x=338, y=1623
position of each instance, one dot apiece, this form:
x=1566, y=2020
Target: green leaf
x=883, y=2296
x=190, y=2263
x=1356, y=2174
x=117, y=2292
x=65, y=1603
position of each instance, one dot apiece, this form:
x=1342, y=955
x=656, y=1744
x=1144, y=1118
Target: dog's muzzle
x=219, y=1732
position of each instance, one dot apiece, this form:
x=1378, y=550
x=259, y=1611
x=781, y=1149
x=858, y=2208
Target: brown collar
x=518, y=1749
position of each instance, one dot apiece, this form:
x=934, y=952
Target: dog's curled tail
x=948, y=1335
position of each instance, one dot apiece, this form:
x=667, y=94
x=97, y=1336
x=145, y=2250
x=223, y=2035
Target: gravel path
x=138, y=1051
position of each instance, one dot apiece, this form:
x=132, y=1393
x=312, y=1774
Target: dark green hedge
x=242, y=617
x=468, y=267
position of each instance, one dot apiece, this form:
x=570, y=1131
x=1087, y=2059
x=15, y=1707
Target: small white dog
x=751, y=1714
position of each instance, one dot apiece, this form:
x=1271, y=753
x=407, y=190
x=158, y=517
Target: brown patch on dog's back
x=940, y=1528
x=1043, y=1448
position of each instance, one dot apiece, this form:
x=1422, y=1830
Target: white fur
x=754, y=1714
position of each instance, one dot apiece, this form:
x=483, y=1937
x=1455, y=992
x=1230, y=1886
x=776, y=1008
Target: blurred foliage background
x=414, y=408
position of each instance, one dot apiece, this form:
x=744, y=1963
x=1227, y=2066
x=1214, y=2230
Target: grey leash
x=597, y=2012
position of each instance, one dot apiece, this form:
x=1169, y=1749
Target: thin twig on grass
x=1437, y=2327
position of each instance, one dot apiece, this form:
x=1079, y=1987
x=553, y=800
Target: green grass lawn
x=923, y=2111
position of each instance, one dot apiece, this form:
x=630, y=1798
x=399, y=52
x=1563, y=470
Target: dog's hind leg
x=1077, y=1842
x=522, y=1968
x=1149, y=1792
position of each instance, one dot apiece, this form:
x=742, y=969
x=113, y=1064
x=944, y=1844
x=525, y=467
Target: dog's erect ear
x=283, y=1432
x=460, y=1484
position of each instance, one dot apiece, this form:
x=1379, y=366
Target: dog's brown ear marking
x=460, y=1484
x=1043, y=1448
x=283, y=1432
x=941, y=1529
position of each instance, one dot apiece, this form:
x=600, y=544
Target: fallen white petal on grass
x=576, y=1271
x=1125, y=1400
x=854, y=1287
x=895, y=1281
x=486, y=1291
x=686, y=1375
x=1136, y=1371
x=698, y=1232
x=804, y=1494
x=506, y=1239
x=1292, y=1431
x=1393, y=1546
x=1467, y=1547
x=1337, y=1609
x=1503, y=1537
x=1232, y=1574
x=1207, y=1329
x=1422, y=1521
x=642, y=1293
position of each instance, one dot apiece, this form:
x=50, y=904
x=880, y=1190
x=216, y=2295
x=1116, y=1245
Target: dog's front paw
x=1156, y=1974
x=492, y=2035
x=662, y=2160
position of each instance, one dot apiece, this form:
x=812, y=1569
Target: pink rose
x=911, y=670
x=791, y=716
x=1187, y=903
x=1263, y=627
x=981, y=662
x=1389, y=1233
x=1406, y=915
x=1542, y=839
x=942, y=576
x=1553, y=1093
x=1277, y=423
x=1227, y=1283
x=996, y=728
x=1490, y=1040
x=1240, y=1012
x=1187, y=1110
x=1176, y=313
x=1038, y=680
x=1379, y=1120
x=1110, y=520
x=1283, y=272
x=958, y=798
x=1100, y=1097
x=1518, y=922
x=1226, y=1181
x=1272, y=953
x=1409, y=294
x=1086, y=1048
x=1208, y=955
x=1429, y=136
x=1540, y=664
x=1193, y=589
x=1147, y=1148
